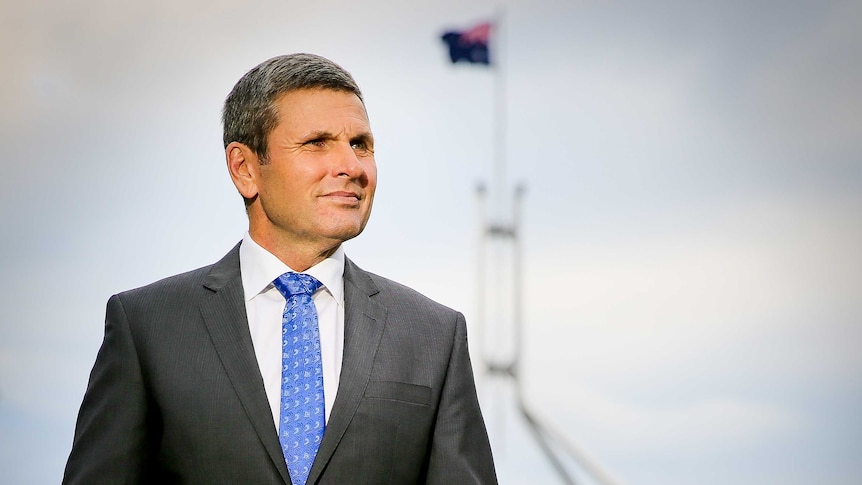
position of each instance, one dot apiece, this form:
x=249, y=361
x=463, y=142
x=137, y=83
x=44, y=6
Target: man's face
x=318, y=186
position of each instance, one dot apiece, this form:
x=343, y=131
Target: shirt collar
x=259, y=268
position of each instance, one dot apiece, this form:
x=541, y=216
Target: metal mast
x=500, y=242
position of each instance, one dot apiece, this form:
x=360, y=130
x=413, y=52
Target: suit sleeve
x=460, y=451
x=113, y=441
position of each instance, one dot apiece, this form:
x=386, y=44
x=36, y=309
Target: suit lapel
x=225, y=317
x=363, y=327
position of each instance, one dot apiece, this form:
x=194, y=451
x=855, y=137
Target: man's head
x=250, y=111
x=300, y=151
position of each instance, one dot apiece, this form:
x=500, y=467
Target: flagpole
x=500, y=118
x=500, y=226
x=496, y=227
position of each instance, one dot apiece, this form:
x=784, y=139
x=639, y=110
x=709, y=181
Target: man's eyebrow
x=318, y=135
x=365, y=136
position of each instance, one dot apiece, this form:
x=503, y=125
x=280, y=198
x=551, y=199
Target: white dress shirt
x=264, y=306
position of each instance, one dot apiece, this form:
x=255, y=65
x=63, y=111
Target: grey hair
x=250, y=111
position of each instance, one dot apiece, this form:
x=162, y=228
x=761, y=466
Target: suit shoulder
x=393, y=293
x=172, y=286
x=183, y=285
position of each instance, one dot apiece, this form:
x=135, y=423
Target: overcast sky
x=691, y=223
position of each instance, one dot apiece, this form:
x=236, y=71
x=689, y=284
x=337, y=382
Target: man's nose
x=347, y=163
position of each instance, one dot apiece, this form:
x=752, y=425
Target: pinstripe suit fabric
x=175, y=395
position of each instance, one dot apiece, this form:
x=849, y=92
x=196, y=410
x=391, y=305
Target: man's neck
x=297, y=256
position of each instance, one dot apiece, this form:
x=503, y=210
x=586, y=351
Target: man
x=284, y=362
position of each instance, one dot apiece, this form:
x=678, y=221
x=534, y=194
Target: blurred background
x=691, y=227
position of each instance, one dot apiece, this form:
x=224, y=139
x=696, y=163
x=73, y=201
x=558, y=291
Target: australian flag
x=470, y=45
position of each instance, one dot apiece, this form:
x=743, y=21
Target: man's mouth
x=345, y=197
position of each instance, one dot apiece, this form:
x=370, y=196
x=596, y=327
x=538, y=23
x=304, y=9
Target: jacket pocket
x=399, y=391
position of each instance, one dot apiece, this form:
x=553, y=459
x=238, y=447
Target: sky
x=690, y=227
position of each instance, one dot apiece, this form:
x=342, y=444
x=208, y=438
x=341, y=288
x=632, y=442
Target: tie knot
x=291, y=283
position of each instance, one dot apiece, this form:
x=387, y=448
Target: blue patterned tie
x=302, y=407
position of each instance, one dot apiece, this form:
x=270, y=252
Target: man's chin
x=342, y=234
x=344, y=229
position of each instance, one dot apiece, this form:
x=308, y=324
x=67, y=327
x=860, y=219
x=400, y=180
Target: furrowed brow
x=318, y=135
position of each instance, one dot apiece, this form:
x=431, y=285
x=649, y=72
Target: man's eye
x=318, y=142
x=360, y=146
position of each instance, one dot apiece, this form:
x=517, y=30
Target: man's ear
x=242, y=163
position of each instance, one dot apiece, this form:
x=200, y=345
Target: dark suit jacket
x=176, y=396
